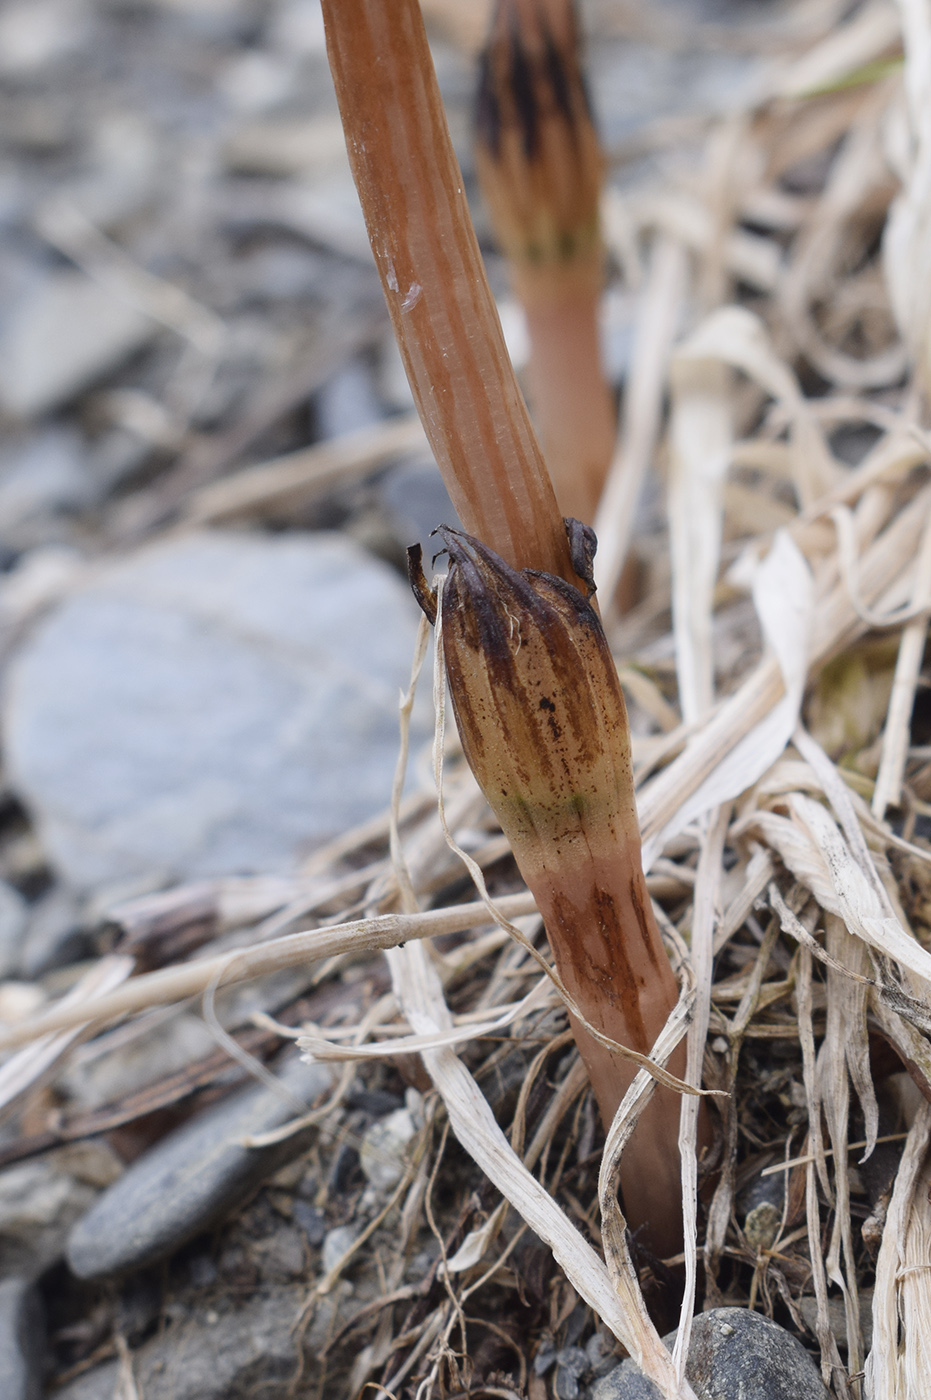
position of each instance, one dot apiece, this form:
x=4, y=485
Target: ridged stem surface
x=434, y=282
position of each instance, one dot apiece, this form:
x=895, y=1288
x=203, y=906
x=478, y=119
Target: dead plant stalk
x=526, y=655
x=540, y=166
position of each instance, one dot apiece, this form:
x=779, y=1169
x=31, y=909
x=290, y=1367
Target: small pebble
x=734, y=1354
x=335, y=1244
x=14, y=916
x=22, y=1341
x=571, y=1364
x=191, y=1178
x=311, y=1221
x=382, y=1155
x=377, y=1102
x=761, y=1225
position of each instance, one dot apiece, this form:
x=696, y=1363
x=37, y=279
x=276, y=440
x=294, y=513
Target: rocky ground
x=201, y=671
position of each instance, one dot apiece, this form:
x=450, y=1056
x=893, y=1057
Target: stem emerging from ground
x=544, y=727
x=535, y=690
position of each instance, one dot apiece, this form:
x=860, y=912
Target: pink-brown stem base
x=571, y=399
x=608, y=950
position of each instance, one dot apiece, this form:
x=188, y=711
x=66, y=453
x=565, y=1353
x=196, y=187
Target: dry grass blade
x=900, y=1297
x=656, y=328
x=286, y=483
x=616, y=1298
x=706, y=914
x=192, y=979
x=700, y=434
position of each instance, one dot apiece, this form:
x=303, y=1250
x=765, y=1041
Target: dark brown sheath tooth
x=537, y=152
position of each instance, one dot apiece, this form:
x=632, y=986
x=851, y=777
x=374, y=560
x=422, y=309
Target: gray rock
x=281, y=1257
x=54, y=936
x=328, y=212
x=191, y=1178
x=335, y=1244
x=625, y=1382
x=46, y=473
x=14, y=916
x=22, y=1338
x=347, y=401
x=211, y=1355
x=391, y=375
x=65, y=332
x=415, y=501
x=571, y=1363
x=311, y=1220
x=634, y=82
x=761, y=1190
x=601, y=1350
x=39, y=1204
x=36, y=33
x=808, y=1307
x=123, y=168
x=382, y=1154
x=217, y=704
x=734, y=1354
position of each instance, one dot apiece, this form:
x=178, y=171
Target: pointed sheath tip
x=425, y=595
x=477, y=571
x=482, y=575
x=583, y=546
x=538, y=158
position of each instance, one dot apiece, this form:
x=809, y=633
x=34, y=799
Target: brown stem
x=609, y=953
x=434, y=282
x=540, y=166
x=544, y=728
x=572, y=400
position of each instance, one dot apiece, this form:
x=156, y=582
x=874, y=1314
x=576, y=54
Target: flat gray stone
x=54, y=936
x=191, y=1178
x=65, y=332
x=14, y=916
x=216, y=704
x=415, y=500
x=347, y=401
x=39, y=1204
x=734, y=1354
x=46, y=473
x=236, y=1354
x=22, y=1339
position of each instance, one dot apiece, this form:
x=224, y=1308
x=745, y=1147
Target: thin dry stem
x=434, y=282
